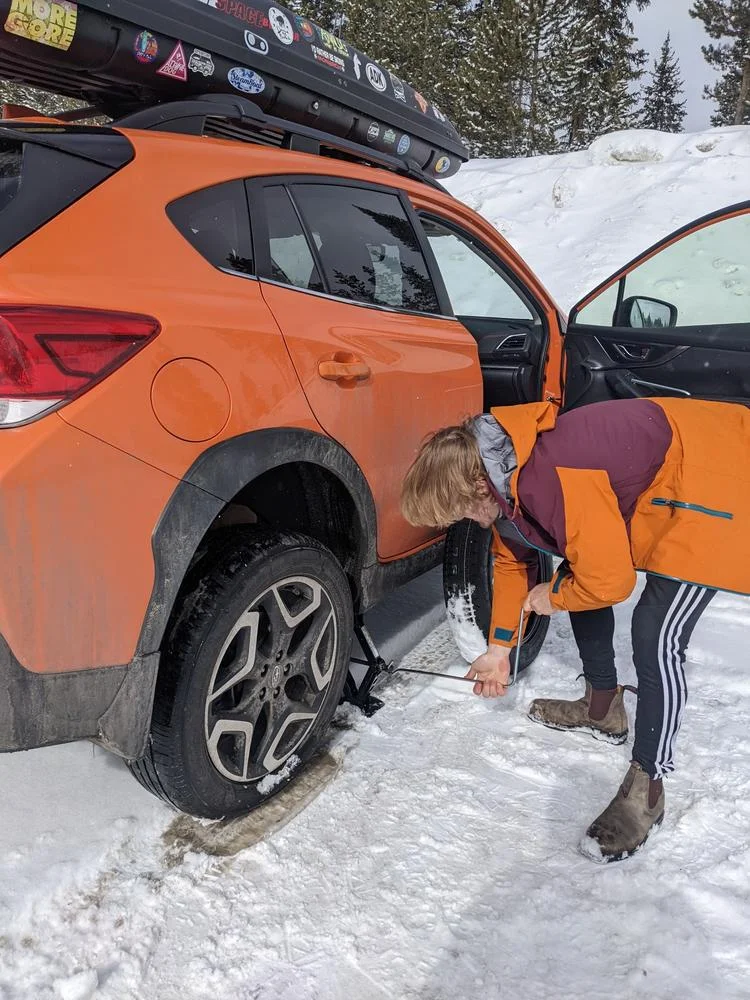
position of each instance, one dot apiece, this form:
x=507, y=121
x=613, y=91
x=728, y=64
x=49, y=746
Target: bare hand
x=491, y=671
x=538, y=601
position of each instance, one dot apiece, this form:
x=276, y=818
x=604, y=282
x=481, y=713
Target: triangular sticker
x=176, y=66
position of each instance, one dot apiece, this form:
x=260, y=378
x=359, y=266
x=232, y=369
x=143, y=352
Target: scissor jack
x=361, y=694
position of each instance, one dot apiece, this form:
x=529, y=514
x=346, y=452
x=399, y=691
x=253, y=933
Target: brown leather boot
x=574, y=716
x=624, y=826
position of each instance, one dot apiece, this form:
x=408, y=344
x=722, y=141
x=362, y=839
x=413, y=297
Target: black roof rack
x=194, y=116
x=204, y=66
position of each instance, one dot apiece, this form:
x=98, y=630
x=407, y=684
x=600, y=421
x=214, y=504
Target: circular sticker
x=281, y=25
x=376, y=77
x=246, y=80
x=373, y=132
x=404, y=145
x=306, y=28
x=146, y=47
x=443, y=165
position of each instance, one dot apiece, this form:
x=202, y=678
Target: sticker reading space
x=44, y=21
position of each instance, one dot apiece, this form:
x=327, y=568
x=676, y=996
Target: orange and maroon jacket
x=661, y=485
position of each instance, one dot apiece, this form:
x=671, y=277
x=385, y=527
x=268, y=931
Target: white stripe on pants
x=671, y=655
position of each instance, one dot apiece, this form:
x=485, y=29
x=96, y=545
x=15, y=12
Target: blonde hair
x=442, y=481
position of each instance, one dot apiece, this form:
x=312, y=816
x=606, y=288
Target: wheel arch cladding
x=234, y=471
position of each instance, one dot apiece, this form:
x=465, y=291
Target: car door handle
x=346, y=369
x=629, y=386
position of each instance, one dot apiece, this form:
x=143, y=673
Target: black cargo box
x=124, y=55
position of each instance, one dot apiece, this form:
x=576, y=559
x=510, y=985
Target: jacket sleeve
x=513, y=575
x=599, y=570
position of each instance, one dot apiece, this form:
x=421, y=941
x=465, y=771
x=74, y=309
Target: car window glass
x=705, y=276
x=475, y=287
x=216, y=221
x=11, y=157
x=367, y=246
x=291, y=259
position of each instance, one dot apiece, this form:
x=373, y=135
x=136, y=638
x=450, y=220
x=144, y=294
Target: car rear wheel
x=252, y=671
x=467, y=587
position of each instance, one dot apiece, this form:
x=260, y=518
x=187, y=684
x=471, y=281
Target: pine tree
x=728, y=22
x=491, y=116
x=545, y=26
x=602, y=66
x=326, y=13
x=662, y=107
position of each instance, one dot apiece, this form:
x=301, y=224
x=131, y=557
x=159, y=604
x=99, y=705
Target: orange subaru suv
x=219, y=357
x=217, y=361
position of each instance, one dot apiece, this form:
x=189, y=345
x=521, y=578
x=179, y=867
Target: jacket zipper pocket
x=663, y=502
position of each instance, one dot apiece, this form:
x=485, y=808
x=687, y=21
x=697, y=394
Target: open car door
x=673, y=322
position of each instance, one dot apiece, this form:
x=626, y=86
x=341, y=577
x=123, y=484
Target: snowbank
x=576, y=217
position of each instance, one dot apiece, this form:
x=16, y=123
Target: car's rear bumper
x=110, y=704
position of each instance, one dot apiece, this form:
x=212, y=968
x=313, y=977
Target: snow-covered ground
x=435, y=856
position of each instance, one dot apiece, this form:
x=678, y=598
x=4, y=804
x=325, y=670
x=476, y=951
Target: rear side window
x=292, y=261
x=216, y=222
x=10, y=172
x=367, y=246
x=46, y=169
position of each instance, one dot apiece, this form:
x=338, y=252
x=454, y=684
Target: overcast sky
x=687, y=34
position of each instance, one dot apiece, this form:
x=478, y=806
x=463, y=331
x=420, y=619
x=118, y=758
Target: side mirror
x=640, y=312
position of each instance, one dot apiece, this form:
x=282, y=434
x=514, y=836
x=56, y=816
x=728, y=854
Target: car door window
x=475, y=286
x=367, y=246
x=701, y=279
x=216, y=222
x=291, y=258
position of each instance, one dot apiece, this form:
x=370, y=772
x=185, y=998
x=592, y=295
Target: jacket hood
x=497, y=453
x=506, y=437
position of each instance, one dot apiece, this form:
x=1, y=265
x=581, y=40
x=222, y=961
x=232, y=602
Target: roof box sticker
x=246, y=80
x=304, y=40
x=176, y=66
x=138, y=53
x=44, y=21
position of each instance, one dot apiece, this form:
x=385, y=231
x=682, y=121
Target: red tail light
x=49, y=356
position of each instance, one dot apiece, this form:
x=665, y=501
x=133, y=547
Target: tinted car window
x=367, y=245
x=10, y=172
x=216, y=221
x=292, y=261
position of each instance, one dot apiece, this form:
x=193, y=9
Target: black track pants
x=663, y=622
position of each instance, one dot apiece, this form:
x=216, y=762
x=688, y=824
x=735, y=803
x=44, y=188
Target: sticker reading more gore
x=45, y=21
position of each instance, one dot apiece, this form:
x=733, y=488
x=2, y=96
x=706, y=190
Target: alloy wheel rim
x=270, y=680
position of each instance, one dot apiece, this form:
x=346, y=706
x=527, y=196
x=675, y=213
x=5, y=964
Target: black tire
x=260, y=642
x=467, y=577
